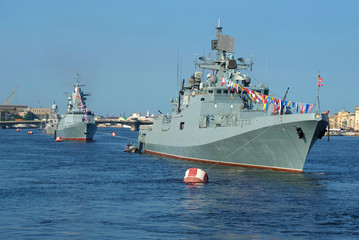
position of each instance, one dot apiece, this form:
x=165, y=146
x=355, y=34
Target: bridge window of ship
x=210, y=91
x=181, y=125
x=219, y=91
x=225, y=91
x=202, y=99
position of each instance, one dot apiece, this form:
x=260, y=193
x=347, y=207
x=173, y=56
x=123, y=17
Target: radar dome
x=54, y=107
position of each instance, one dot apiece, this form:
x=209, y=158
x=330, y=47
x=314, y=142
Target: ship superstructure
x=53, y=120
x=225, y=119
x=78, y=123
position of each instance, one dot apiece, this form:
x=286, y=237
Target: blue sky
x=126, y=51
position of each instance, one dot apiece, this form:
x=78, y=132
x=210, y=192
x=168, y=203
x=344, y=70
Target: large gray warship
x=225, y=119
x=78, y=123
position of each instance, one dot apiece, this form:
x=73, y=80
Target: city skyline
x=126, y=51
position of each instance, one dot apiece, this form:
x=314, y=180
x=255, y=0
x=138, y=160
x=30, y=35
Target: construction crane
x=8, y=101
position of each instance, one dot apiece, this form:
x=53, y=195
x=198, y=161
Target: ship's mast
x=77, y=77
x=219, y=28
x=218, y=33
x=177, y=72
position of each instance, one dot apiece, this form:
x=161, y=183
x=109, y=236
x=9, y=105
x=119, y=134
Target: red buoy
x=17, y=129
x=59, y=139
x=195, y=175
x=114, y=134
x=29, y=133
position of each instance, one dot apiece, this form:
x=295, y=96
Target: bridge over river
x=135, y=124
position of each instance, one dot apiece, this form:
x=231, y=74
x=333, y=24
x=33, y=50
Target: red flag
x=320, y=81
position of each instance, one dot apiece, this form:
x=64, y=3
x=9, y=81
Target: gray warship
x=53, y=121
x=226, y=119
x=78, y=122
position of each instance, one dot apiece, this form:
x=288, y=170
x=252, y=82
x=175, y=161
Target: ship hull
x=270, y=142
x=50, y=128
x=77, y=132
x=73, y=127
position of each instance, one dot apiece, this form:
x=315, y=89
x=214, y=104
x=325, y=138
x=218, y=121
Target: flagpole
x=318, y=109
x=177, y=93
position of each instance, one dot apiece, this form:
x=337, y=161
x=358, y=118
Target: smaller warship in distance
x=53, y=121
x=78, y=122
x=226, y=119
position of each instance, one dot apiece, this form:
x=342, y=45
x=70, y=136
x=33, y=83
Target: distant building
x=356, y=118
x=8, y=109
x=12, y=109
x=137, y=116
x=333, y=121
x=345, y=120
x=41, y=113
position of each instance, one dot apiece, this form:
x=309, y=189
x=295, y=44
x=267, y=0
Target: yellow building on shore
x=345, y=120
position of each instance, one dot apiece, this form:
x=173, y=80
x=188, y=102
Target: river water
x=76, y=190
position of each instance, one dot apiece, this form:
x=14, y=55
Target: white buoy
x=114, y=134
x=59, y=139
x=195, y=175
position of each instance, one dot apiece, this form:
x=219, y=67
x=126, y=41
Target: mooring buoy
x=195, y=175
